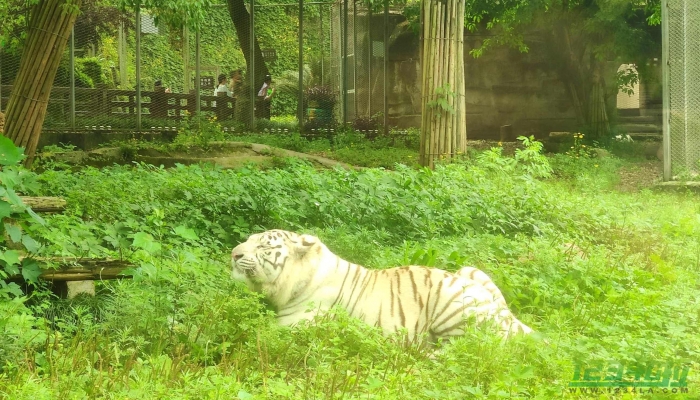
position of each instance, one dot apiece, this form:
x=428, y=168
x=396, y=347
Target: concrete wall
x=506, y=87
x=503, y=87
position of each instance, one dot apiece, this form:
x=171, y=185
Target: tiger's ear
x=305, y=243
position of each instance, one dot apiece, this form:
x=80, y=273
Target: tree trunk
x=241, y=21
x=49, y=27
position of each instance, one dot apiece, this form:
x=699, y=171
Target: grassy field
x=607, y=273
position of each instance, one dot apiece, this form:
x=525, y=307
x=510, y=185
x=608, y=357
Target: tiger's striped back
x=294, y=271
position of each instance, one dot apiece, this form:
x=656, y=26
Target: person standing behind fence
x=235, y=81
x=264, y=99
x=158, y=86
x=221, y=88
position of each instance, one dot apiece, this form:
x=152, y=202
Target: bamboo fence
x=443, y=125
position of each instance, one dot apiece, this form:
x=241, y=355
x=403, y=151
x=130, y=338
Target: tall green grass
x=627, y=292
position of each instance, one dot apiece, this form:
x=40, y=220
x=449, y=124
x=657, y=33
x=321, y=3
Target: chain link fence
x=331, y=63
x=118, y=63
x=684, y=91
x=362, y=44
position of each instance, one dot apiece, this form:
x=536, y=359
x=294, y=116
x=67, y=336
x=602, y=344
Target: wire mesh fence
x=119, y=63
x=361, y=62
x=684, y=79
x=320, y=64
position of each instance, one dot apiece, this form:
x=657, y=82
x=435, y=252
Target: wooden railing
x=100, y=102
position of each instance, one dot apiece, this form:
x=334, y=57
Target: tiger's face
x=261, y=259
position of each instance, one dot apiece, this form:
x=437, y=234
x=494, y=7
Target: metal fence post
x=369, y=59
x=138, y=67
x=186, y=59
x=71, y=72
x=386, y=64
x=665, y=65
x=354, y=58
x=121, y=49
x=300, y=100
x=344, y=65
x=251, y=73
x=197, y=83
x=323, y=45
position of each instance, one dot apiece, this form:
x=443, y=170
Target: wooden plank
x=45, y=204
x=74, y=269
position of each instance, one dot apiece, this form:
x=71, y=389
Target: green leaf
x=9, y=153
x=145, y=241
x=11, y=257
x=14, y=232
x=186, y=233
x=243, y=395
x=30, y=270
x=12, y=288
x=5, y=209
x=30, y=244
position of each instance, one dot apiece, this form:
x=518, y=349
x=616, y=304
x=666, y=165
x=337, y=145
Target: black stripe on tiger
x=448, y=304
x=342, y=285
x=353, y=282
x=359, y=295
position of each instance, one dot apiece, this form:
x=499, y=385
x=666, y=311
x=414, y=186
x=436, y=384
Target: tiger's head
x=262, y=258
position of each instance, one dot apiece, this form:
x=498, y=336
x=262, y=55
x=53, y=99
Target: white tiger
x=293, y=270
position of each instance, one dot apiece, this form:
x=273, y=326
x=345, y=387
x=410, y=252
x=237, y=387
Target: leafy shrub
x=320, y=96
x=199, y=131
x=19, y=329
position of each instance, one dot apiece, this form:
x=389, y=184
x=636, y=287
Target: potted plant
x=320, y=102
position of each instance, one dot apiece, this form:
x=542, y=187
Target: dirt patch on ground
x=640, y=176
x=223, y=154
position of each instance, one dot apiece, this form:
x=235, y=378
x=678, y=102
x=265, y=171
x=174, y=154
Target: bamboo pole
x=442, y=63
x=27, y=69
x=36, y=63
x=438, y=78
x=427, y=94
x=423, y=66
x=425, y=89
x=462, y=137
x=431, y=84
x=452, y=22
x=39, y=98
x=50, y=24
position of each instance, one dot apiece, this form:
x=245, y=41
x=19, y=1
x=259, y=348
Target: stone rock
x=78, y=287
x=601, y=153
